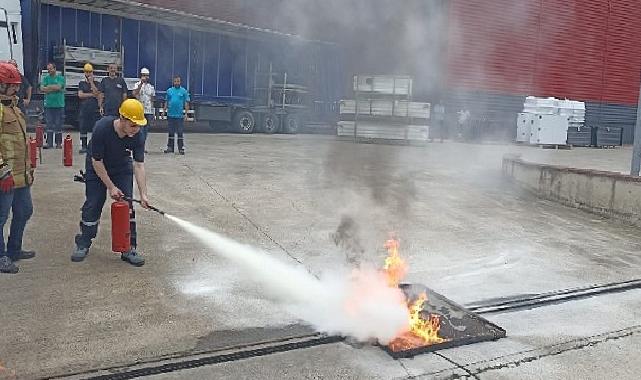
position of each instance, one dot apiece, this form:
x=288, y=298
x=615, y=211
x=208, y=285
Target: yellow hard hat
x=133, y=110
x=88, y=67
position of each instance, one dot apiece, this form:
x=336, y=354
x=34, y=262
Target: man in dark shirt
x=110, y=168
x=114, y=90
x=24, y=92
x=90, y=99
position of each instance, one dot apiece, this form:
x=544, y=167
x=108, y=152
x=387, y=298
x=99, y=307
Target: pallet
x=556, y=146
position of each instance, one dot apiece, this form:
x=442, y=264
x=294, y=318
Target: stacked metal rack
x=382, y=109
x=73, y=58
x=279, y=102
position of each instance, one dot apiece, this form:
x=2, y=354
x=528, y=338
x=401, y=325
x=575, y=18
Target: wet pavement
x=465, y=232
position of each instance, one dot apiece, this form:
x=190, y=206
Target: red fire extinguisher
x=40, y=135
x=33, y=152
x=120, y=232
x=67, y=154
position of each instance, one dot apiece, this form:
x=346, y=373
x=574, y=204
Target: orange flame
x=421, y=331
x=395, y=267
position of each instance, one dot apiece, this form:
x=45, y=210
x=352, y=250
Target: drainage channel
x=559, y=296
x=185, y=362
x=181, y=363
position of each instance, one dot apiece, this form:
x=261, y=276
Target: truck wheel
x=291, y=124
x=271, y=123
x=244, y=122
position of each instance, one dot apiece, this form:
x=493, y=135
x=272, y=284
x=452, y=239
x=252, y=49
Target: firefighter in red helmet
x=16, y=174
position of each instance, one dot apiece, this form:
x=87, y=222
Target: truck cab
x=11, y=32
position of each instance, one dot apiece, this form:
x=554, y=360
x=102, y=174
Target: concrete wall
x=606, y=193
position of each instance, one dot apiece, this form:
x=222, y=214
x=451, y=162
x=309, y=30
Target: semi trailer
x=249, y=78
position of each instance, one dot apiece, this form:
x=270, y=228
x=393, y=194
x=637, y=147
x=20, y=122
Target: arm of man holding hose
x=114, y=192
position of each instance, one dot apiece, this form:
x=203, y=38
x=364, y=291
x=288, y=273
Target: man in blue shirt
x=177, y=100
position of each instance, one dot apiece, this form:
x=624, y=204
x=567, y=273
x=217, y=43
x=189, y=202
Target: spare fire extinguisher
x=40, y=135
x=33, y=152
x=67, y=154
x=120, y=231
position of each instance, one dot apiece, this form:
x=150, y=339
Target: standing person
x=90, y=101
x=177, y=101
x=110, y=168
x=114, y=90
x=463, y=121
x=16, y=175
x=24, y=93
x=53, y=86
x=146, y=94
x=439, y=120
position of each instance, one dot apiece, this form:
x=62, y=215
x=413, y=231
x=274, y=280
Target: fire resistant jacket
x=14, y=149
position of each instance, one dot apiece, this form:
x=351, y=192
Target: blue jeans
x=95, y=197
x=176, y=127
x=87, y=118
x=54, y=118
x=17, y=201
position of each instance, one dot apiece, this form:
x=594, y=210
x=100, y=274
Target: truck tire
x=244, y=122
x=291, y=124
x=270, y=123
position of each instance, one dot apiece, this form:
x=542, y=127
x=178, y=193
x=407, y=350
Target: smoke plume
x=357, y=304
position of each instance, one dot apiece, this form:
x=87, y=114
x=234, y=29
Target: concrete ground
x=464, y=232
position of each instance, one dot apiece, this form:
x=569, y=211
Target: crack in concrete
x=459, y=366
x=407, y=371
x=245, y=216
x=527, y=356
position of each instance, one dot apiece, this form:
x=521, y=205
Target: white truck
x=11, y=31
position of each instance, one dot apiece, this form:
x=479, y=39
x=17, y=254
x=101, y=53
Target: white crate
x=549, y=130
x=524, y=123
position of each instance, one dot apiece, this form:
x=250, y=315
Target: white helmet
x=144, y=71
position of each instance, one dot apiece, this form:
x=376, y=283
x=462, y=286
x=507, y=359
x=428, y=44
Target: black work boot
x=49, y=141
x=7, y=266
x=83, y=145
x=22, y=255
x=133, y=257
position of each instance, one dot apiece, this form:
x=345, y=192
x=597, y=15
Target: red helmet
x=9, y=74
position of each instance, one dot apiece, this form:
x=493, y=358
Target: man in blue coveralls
x=115, y=156
x=176, y=102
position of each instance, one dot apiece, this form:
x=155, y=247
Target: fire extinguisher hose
x=152, y=208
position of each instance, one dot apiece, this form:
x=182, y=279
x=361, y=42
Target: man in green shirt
x=53, y=86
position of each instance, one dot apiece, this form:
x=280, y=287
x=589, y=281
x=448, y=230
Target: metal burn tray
x=458, y=325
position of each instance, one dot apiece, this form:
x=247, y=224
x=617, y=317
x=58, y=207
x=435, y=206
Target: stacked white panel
x=383, y=84
x=373, y=130
x=386, y=107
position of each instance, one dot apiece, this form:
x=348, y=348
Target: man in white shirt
x=146, y=94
